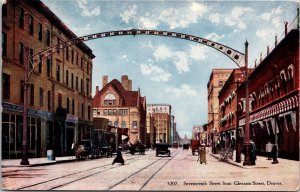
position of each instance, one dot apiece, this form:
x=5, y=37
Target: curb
x=42, y=164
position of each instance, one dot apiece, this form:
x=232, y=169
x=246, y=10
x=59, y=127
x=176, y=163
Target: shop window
x=21, y=18
x=4, y=44
x=31, y=23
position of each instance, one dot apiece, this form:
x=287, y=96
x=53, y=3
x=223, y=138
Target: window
x=220, y=83
x=134, y=124
x=89, y=112
x=73, y=107
x=49, y=67
x=105, y=112
x=123, y=124
x=87, y=87
x=120, y=111
x=4, y=44
x=58, y=42
x=6, y=86
x=68, y=105
x=81, y=85
x=67, y=53
x=31, y=59
x=21, y=53
x=48, y=37
x=57, y=72
x=40, y=32
x=40, y=64
x=4, y=9
x=72, y=55
x=59, y=100
x=98, y=112
x=110, y=99
x=76, y=83
x=67, y=77
x=114, y=112
x=31, y=94
x=72, y=80
x=116, y=123
x=41, y=97
x=81, y=62
x=21, y=18
x=49, y=100
x=31, y=25
x=21, y=91
x=77, y=59
x=110, y=112
x=82, y=110
x=125, y=111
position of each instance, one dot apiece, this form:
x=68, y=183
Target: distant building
x=122, y=107
x=162, y=121
x=151, y=130
x=216, y=81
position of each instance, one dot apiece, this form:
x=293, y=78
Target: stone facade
x=61, y=82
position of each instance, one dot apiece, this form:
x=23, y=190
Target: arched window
x=110, y=99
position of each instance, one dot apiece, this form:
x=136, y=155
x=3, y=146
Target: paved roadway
x=148, y=172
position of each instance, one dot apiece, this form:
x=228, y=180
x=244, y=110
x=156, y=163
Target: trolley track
x=76, y=173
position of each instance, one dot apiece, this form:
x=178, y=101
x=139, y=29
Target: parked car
x=162, y=148
x=185, y=146
x=86, y=149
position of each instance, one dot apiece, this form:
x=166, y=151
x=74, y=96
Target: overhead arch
x=236, y=56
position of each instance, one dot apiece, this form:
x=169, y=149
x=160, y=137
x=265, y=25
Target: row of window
x=70, y=105
x=123, y=124
x=97, y=112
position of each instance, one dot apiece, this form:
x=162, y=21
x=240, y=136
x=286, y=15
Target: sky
x=169, y=70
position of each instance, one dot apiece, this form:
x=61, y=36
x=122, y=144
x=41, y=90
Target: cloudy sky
x=169, y=70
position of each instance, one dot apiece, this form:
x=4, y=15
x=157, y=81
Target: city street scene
x=150, y=95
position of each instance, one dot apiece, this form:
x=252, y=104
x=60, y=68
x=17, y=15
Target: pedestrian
x=252, y=153
x=274, y=154
x=202, y=154
x=119, y=158
x=269, y=149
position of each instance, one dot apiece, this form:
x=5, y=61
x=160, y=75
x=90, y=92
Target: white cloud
x=183, y=91
x=214, y=18
x=265, y=34
x=129, y=14
x=162, y=52
x=182, y=62
x=86, y=11
x=182, y=17
x=198, y=52
x=235, y=17
x=214, y=36
x=156, y=73
x=267, y=16
x=148, y=23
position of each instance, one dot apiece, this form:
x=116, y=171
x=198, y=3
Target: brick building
x=274, y=96
x=122, y=107
x=59, y=99
x=162, y=121
x=216, y=81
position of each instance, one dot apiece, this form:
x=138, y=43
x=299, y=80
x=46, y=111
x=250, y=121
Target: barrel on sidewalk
x=50, y=155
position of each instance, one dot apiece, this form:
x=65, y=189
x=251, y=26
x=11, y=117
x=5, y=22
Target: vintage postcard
x=162, y=95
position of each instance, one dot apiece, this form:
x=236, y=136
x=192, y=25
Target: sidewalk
x=36, y=161
x=261, y=162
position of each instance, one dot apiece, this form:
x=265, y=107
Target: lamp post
x=24, y=160
x=247, y=119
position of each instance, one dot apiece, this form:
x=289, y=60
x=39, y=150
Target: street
x=181, y=171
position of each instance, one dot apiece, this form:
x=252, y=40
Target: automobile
x=185, y=146
x=87, y=148
x=175, y=145
x=162, y=149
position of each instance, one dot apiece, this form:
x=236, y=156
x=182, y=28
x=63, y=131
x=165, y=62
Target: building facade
x=122, y=107
x=151, y=130
x=59, y=94
x=216, y=81
x=274, y=98
x=162, y=121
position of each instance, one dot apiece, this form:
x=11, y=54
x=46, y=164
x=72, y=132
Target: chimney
x=285, y=27
x=124, y=80
x=268, y=50
x=104, y=80
x=97, y=89
x=276, y=40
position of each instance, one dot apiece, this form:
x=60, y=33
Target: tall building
x=274, y=98
x=151, y=134
x=59, y=99
x=216, y=81
x=123, y=107
x=162, y=121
